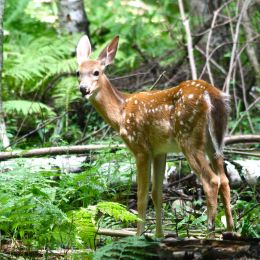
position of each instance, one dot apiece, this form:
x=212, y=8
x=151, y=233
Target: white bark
x=4, y=140
x=251, y=52
x=189, y=40
x=234, y=48
x=72, y=15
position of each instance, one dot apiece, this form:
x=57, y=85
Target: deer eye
x=78, y=74
x=96, y=73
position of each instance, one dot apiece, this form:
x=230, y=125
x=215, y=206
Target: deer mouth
x=84, y=92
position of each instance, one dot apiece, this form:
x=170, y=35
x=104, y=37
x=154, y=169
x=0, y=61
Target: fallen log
x=234, y=139
x=207, y=249
x=81, y=149
x=58, y=150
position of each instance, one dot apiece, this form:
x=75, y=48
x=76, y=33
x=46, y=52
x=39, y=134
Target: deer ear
x=109, y=52
x=83, y=49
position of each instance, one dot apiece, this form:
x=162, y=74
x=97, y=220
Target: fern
x=136, y=248
x=65, y=93
x=26, y=107
x=84, y=224
x=40, y=57
x=117, y=211
x=14, y=10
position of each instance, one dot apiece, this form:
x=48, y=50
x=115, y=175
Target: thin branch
x=242, y=153
x=234, y=48
x=155, y=83
x=189, y=40
x=244, y=95
x=208, y=45
x=116, y=232
x=244, y=114
x=220, y=68
x=238, y=61
x=42, y=125
x=91, y=135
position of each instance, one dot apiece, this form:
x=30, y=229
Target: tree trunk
x=250, y=49
x=72, y=15
x=3, y=135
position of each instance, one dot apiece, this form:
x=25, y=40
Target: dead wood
x=234, y=139
x=207, y=249
x=81, y=149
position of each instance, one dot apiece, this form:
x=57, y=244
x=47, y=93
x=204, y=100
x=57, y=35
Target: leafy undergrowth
x=53, y=210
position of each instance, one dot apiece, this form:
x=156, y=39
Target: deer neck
x=109, y=103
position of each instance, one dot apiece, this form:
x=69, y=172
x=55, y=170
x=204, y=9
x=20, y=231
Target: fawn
x=191, y=118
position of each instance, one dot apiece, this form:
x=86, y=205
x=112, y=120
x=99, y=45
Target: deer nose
x=84, y=91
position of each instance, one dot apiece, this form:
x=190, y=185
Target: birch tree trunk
x=4, y=140
x=72, y=16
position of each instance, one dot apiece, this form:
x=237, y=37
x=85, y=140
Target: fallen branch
x=81, y=149
x=115, y=232
x=234, y=139
x=242, y=153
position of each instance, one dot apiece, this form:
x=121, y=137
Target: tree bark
x=3, y=134
x=251, y=52
x=186, y=25
x=72, y=15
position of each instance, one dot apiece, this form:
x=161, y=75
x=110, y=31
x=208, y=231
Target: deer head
x=91, y=72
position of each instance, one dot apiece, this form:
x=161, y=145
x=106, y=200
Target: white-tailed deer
x=191, y=117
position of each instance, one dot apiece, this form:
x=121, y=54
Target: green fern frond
x=42, y=56
x=14, y=9
x=26, y=107
x=83, y=220
x=117, y=211
x=137, y=248
x=66, y=92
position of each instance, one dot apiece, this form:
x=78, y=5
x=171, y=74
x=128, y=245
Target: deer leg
x=224, y=190
x=210, y=182
x=143, y=164
x=159, y=163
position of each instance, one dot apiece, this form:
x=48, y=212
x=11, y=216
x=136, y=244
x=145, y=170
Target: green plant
x=50, y=209
x=137, y=248
x=247, y=216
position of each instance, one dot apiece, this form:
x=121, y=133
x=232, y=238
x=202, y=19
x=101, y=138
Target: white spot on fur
x=193, y=83
x=190, y=96
x=123, y=131
x=136, y=101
